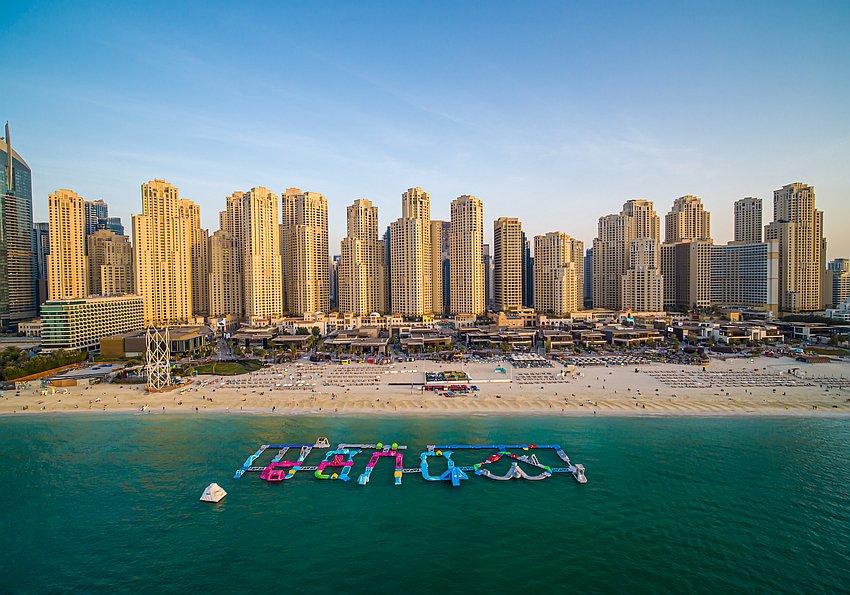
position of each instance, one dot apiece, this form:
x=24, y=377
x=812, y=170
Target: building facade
x=262, y=282
x=798, y=228
x=686, y=255
x=839, y=281
x=558, y=278
x=199, y=255
x=304, y=252
x=746, y=275
x=507, y=261
x=361, y=265
x=411, y=260
x=17, y=265
x=748, y=220
x=687, y=220
x=110, y=263
x=440, y=246
x=162, y=256
x=67, y=266
x=626, y=267
x=225, y=276
x=80, y=323
x=40, y=249
x=466, y=255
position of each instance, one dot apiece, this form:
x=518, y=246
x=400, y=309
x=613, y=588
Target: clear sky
x=555, y=113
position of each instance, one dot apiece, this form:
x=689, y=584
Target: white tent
x=213, y=493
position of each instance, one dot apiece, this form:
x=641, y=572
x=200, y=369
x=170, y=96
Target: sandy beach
x=763, y=386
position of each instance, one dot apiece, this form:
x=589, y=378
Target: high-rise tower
x=67, y=266
x=507, y=257
x=17, y=270
x=304, y=252
x=466, y=256
x=798, y=227
x=748, y=220
x=162, y=256
x=361, y=271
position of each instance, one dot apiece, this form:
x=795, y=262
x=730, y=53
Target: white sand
x=611, y=391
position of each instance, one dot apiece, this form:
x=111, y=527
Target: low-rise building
x=80, y=323
x=30, y=328
x=182, y=340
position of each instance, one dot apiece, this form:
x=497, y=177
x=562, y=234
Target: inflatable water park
x=435, y=463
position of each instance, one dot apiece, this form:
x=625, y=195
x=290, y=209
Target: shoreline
x=747, y=388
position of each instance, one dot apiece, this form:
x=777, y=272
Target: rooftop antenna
x=10, y=177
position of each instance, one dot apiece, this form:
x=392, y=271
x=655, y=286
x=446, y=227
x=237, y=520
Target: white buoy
x=213, y=493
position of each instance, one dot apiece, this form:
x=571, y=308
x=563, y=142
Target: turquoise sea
x=699, y=505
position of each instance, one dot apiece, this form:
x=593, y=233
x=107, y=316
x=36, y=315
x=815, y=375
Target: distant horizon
x=554, y=113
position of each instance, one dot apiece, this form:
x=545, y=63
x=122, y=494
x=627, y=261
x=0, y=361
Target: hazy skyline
x=556, y=113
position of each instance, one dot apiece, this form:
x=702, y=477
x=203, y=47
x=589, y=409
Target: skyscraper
x=466, y=255
x=687, y=220
x=410, y=256
x=798, y=227
x=626, y=272
x=507, y=261
x=261, y=292
x=686, y=255
x=304, y=252
x=489, y=287
x=588, y=278
x=41, y=248
x=110, y=259
x=557, y=286
x=114, y=225
x=67, y=267
x=225, y=277
x=162, y=256
x=17, y=266
x=96, y=213
x=199, y=246
x=748, y=220
x=361, y=265
x=440, y=241
x=527, y=273
x=232, y=223
x=839, y=273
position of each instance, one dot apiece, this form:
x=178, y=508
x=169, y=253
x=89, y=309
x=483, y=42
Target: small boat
x=213, y=493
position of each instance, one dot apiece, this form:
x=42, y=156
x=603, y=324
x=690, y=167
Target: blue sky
x=556, y=113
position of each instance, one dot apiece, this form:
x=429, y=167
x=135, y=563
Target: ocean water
x=699, y=505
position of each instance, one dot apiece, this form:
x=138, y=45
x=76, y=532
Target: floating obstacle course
x=342, y=458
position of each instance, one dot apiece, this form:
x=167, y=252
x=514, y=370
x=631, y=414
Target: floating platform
x=524, y=463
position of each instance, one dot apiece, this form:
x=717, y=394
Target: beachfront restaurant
x=628, y=337
x=249, y=336
x=421, y=340
x=360, y=342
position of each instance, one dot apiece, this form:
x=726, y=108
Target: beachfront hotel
x=361, y=269
x=466, y=256
x=67, y=266
x=162, y=256
x=79, y=323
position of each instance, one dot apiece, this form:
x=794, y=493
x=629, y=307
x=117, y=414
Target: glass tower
x=17, y=263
